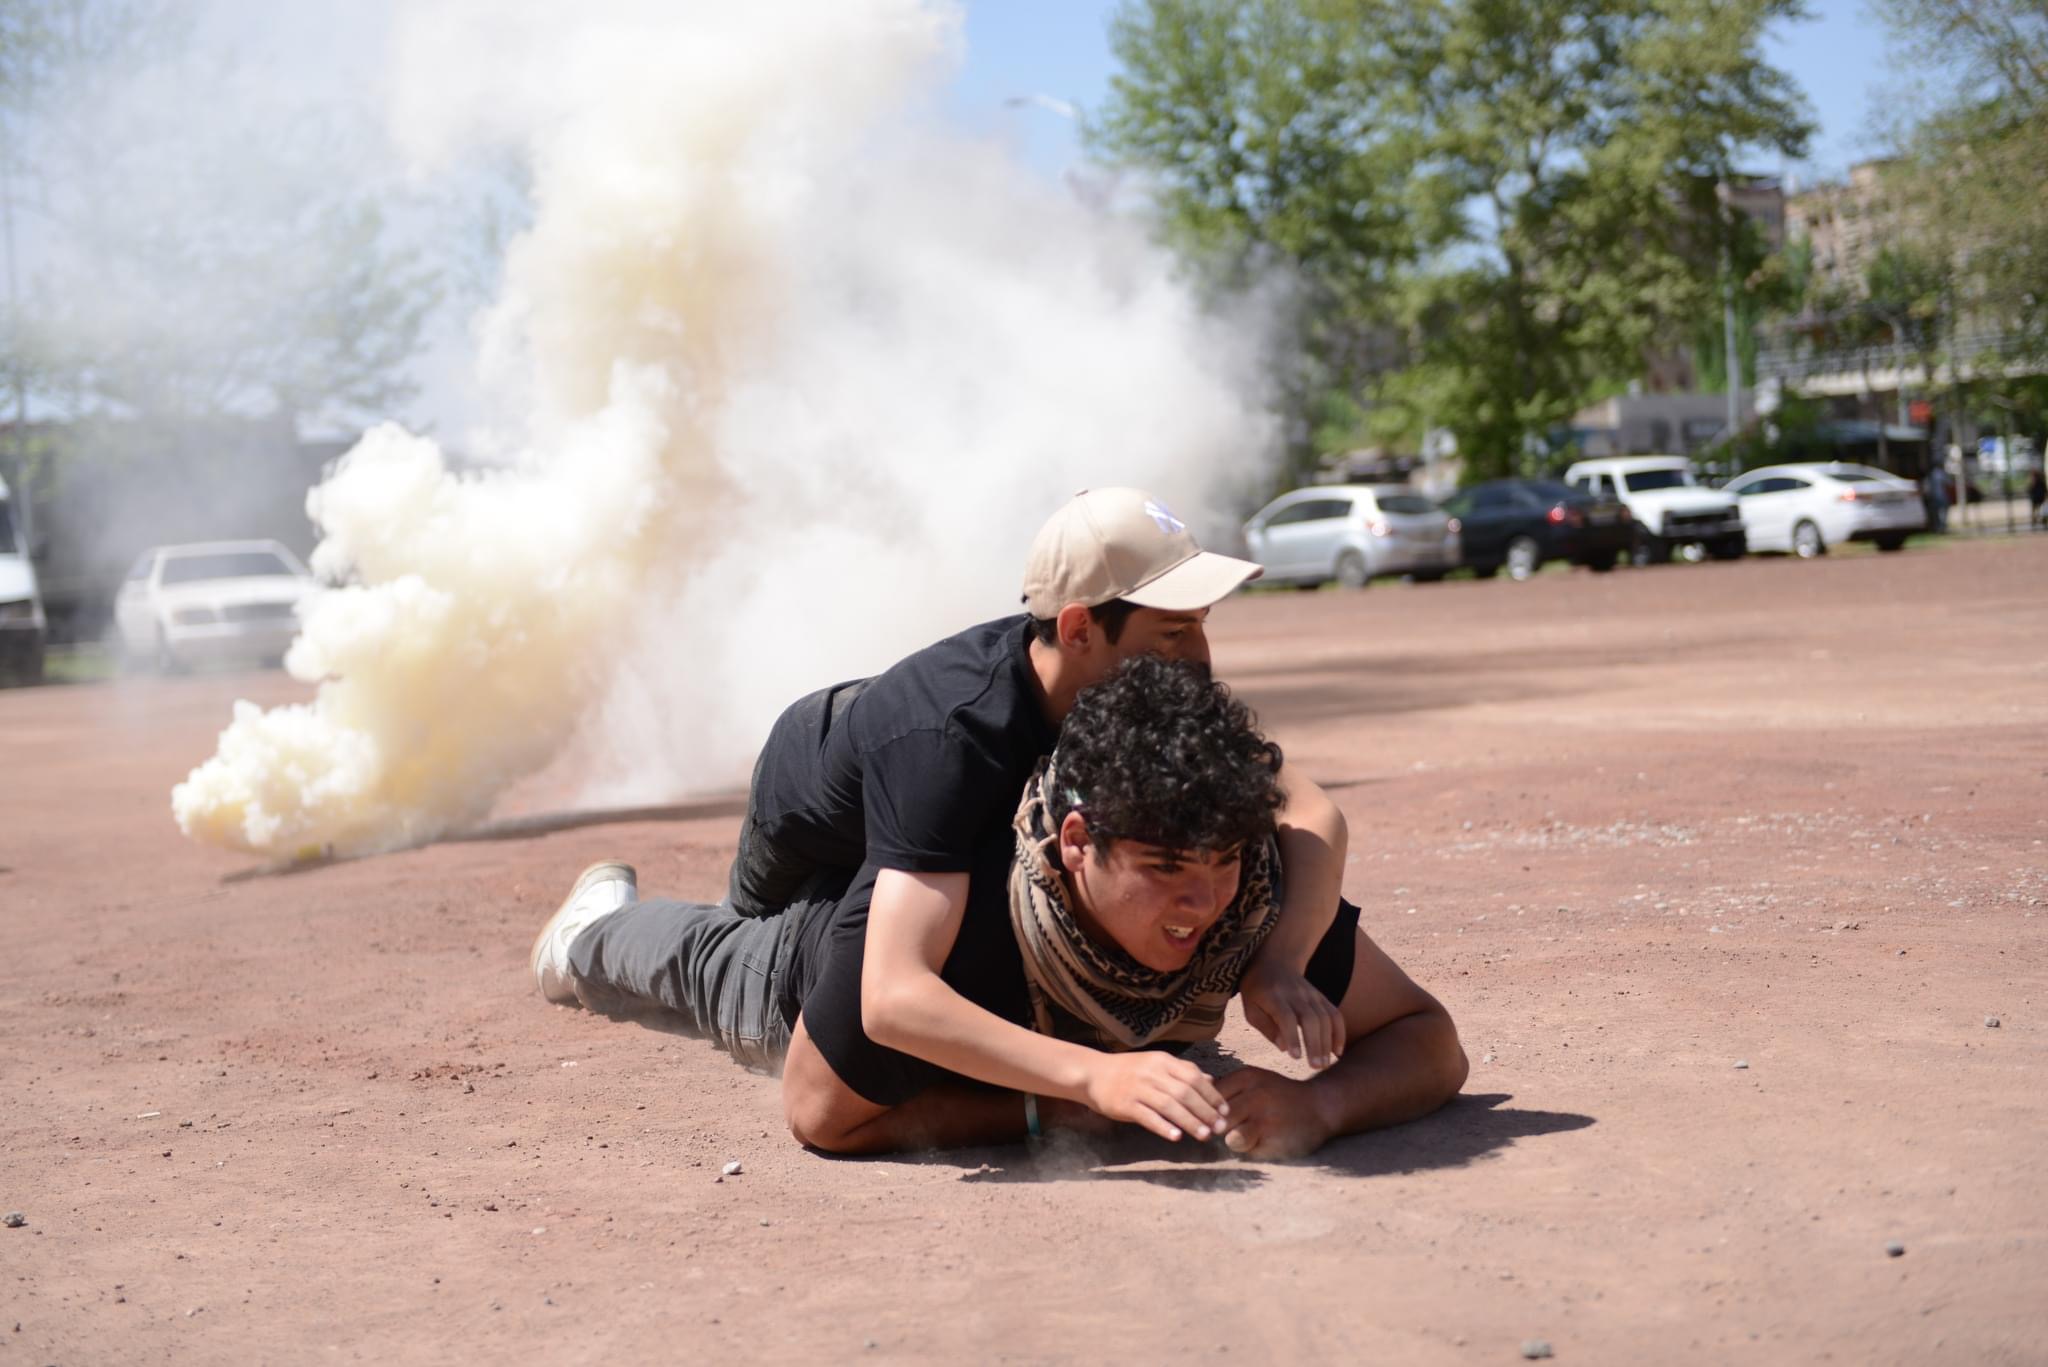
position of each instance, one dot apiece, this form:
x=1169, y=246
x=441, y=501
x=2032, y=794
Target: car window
x=1657, y=479
x=1493, y=497
x=189, y=569
x=1458, y=504
x=1293, y=512
x=1745, y=486
x=1857, y=476
x=7, y=546
x=1791, y=482
x=1405, y=503
x=1327, y=508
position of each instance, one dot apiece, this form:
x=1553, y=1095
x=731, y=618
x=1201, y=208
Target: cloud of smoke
x=791, y=375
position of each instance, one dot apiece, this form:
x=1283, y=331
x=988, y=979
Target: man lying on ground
x=915, y=770
x=1108, y=930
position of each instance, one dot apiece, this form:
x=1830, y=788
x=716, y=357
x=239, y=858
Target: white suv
x=1669, y=505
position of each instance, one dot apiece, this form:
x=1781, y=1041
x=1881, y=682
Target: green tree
x=1977, y=160
x=1527, y=189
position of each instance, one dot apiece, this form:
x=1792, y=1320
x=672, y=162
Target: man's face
x=1155, y=631
x=1154, y=902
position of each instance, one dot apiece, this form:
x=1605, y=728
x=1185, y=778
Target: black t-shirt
x=985, y=966
x=925, y=762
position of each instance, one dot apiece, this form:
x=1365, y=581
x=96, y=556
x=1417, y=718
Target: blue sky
x=1840, y=58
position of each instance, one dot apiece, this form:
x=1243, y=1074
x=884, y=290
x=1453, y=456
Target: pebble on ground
x=1535, y=1348
x=1991, y=1022
x=733, y=1169
x=1895, y=1249
x=13, y=1219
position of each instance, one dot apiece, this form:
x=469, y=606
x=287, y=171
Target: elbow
x=887, y=1013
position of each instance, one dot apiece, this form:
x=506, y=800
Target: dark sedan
x=1517, y=524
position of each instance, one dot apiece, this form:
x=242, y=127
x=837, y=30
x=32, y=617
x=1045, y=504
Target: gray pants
x=717, y=972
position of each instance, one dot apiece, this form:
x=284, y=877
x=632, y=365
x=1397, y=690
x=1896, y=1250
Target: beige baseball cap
x=1124, y=543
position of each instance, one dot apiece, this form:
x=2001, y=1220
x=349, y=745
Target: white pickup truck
x=1668, y=504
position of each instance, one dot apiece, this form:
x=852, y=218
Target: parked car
x=1352, y=533
x=1668, y=504
x=22, y=626
x=1803, y=509
x=1518, y=524
x=211, y=600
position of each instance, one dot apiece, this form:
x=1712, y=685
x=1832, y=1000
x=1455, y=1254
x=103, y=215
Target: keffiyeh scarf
x=1119, y=1003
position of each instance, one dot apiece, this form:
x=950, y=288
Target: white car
x=1804, y=509
x=1352, y=533
x=211, y=600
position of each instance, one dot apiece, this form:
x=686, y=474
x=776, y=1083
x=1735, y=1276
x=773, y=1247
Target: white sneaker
x=600, y=890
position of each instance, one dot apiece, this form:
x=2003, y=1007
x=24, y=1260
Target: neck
x=1054, y=679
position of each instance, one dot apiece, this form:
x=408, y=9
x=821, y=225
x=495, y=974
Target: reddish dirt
x=1633, y=829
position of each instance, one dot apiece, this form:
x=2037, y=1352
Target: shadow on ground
x=1468, y=1129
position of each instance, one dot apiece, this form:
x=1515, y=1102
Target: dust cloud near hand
x=785, y=376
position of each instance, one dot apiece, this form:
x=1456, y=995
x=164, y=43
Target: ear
x=1075, y=626
x=1075, y=842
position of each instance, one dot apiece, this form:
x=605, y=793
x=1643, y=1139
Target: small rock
x=1535, y=1348
x=1895, y=1249
x=733, y=1169
x=13, y=1219
x=1991, y=1022
x=764, y=1222
x=869, y=1343
x=468, y=1087
x=1742, y=1063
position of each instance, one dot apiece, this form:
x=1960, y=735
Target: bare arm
x=1404, y=1062
x=913, y=923
x=1314, y=839
x=1279, y=1002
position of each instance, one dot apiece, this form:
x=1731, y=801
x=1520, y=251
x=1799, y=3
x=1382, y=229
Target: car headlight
x=194, y=617
x=21, y=610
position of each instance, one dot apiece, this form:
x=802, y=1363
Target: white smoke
x=792, y=375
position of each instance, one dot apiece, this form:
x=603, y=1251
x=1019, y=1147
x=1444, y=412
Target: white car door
x=1767, y=505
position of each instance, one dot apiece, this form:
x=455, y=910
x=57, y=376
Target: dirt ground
x=1723, y=870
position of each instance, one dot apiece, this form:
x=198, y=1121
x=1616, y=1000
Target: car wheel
x=1891, y=543
x=1351, y=570
x=1807, y=541
x=1525, y=557
x=1649, y=549
x=164, y=658
x=1600, y=564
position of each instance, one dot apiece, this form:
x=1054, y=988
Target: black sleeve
x=1330, y=967
x=929, y=797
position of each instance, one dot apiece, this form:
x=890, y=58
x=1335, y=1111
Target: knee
x=813, y=1121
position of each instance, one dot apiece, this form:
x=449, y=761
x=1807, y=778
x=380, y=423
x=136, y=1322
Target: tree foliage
x=1522, y=193
x=1978, y=160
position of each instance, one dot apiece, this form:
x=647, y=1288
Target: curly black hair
x=1160, y=754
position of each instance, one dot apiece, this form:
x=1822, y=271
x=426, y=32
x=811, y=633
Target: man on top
x=1110, y=926
x=911, y=771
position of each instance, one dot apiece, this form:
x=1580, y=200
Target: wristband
x=1031, y=1115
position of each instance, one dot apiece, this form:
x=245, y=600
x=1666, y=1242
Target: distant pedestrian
x=2037, y=494
x=1937, y=493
